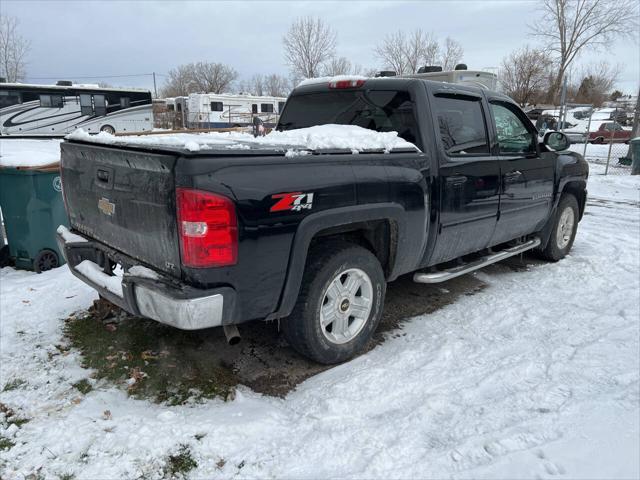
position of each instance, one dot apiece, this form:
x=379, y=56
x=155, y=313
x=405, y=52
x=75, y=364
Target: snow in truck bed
x=321, y=137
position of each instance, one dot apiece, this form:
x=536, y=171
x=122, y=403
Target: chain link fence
x=602, y=136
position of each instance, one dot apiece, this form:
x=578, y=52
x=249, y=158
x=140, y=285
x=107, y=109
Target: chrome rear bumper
x=145, y=292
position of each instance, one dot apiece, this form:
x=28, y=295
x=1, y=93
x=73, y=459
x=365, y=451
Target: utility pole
x=155, y=90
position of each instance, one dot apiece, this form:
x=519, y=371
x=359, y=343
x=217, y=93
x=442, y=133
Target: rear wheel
x=340, y=303
x=564, y=230
x=45, y=260
x=108, y=129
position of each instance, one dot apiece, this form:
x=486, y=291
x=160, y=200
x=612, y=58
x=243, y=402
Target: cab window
x=513, y=134
x=461, y=123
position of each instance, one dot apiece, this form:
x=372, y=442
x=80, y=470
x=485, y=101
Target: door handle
x=512, y=176
x=456, y=180
x=102, y=175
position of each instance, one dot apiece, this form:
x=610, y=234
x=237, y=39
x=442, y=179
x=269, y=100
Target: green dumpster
x=32, y=209
x=635, y=156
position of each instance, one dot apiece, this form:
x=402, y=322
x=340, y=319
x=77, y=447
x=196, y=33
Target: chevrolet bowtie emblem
x=106, y=207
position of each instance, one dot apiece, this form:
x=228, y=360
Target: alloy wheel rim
x=565, y=228
x=346, y=305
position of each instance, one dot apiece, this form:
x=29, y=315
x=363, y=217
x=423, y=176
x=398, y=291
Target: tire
x=562, y=234
x=45, y=260
x=324, y=297
x=598, y=141
x=108, y=129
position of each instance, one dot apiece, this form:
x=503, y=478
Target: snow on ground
x=16, y=152
x=536, y=376
x=349, y=137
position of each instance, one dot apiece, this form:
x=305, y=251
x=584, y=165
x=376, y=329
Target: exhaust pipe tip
x=232, y=334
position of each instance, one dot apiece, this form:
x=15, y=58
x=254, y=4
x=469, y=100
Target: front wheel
x=340, y=303
x=564, y=229
x=108, y=129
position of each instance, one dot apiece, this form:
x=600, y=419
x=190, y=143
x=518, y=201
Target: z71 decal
x=294, y=201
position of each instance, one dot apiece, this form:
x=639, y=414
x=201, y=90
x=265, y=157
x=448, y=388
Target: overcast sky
x=70, y=40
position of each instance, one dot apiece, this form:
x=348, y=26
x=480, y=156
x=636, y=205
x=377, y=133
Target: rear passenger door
x=468, y=179
x=527, y=176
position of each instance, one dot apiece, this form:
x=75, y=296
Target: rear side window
x=100, y=105
x=8, y=98
x=266, y=108
x=51, y=101
x=86, y=107
x=379, y=110
x=462, y=126
x=216, y=106
x=513, y=134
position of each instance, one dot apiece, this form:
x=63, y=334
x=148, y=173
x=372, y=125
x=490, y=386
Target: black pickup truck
x=218, y=237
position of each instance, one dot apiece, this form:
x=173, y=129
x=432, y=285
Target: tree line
x=565, y=30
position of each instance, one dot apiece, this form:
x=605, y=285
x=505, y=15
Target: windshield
x=379, y=110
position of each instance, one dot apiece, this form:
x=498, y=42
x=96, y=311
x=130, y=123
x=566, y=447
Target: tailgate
x=124, y=199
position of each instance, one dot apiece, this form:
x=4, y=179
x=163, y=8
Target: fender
x=545, y=233
x=315, y=223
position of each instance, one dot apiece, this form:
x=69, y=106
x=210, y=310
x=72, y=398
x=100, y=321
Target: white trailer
x=210, y=110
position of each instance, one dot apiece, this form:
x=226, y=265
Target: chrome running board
x=448, y=274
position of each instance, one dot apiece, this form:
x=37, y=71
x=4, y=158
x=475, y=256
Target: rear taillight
x=348, y=83
x=208, y=229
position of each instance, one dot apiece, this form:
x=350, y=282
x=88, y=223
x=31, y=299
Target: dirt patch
x=169, y=365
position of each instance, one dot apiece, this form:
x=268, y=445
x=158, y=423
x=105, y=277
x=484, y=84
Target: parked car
x=217, y=237
x=609, y=132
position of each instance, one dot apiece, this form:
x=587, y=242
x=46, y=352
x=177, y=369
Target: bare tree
x=451, y=54
x=179, y=82
x=13, y=50
x=340, y=66
x=570, y=26
x=524, y=74
x=276, y=85
x=256, y=84
x=407, y=53
x=392, y=52
x=596, y=82
x=308, y=45
x=420, y=49
x=199, y=77
x=213, y=77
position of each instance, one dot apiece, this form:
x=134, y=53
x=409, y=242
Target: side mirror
x=556, y=141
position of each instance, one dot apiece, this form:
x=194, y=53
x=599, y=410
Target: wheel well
x=377, y=236
x=579, y=190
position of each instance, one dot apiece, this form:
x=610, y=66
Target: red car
x=610, y=132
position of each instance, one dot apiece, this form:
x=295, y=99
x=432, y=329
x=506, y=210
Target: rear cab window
x=378, y=110
x=461, y=124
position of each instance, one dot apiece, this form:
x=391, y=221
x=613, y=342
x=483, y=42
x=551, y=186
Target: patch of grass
x=14, y=384
x=10, y=417
x=180, y=463
x=18, y=422
x=5, y=443
x=66, y=476
x=154, y=361
x=83, y=386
